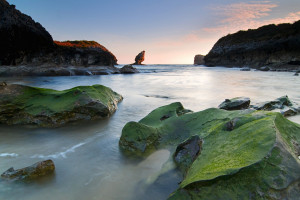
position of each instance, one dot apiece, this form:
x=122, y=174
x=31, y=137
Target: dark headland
x=270, y=47
x=27, y=48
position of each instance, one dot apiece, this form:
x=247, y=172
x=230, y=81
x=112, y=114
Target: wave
x=62, y=154
x=9, y=155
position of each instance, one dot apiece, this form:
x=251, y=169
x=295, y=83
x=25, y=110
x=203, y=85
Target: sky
x=170, y=31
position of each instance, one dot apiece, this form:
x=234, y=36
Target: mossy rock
x=21, y=104
x=256, y=158
x=35, y=171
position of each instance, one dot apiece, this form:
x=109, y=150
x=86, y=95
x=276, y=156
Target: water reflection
x=88, y=162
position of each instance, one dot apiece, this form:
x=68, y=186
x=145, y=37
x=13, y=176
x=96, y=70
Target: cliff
x=26, y=42
x=274, y=46
x=139, y=58
x=199, y=60
x=20, y=35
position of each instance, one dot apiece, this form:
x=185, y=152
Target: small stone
x=238, y=103
x=34, y=171
x=3, y=84
x=187, y=152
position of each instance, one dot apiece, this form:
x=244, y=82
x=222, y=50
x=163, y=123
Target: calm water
x=88, y=162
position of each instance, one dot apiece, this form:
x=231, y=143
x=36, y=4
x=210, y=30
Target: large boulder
x=271, y=47
x=199, y=60
x=257, y=157
x=237, y=103
x=139, y=58
x=21, y=104
x=32, y=172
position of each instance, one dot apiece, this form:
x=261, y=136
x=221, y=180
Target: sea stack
x=139, y=58
x=273, y=47
x=199, y=60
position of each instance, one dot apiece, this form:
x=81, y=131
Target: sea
x=89, y=163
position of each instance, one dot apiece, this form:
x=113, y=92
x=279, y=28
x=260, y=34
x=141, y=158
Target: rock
x=258, y=157
x=283, y=104
x=139, y=58
x=278, y=103
x=26, y=42
x=237, y=103
x=268, y=47
x=128, y=69
x=187, y=152
x=32, y=172
x=20, y=35
x=199, y=60
x=245, y=69
x=3, y=84
x=264, y=69
x=296, y=74
x=21, y=104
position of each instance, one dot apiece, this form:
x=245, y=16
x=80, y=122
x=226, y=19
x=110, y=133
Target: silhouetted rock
x=140, y=58
x=34, y=171
x=128, y=69
x=20, y=35
x=272, y=46
x=199, y=60
x=25, y=42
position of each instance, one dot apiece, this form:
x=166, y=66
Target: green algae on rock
x=256, y=158
x=21, y=104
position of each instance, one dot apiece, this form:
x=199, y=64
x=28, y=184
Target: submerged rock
x=34, y=171
x=199, y=60
x=21, y=104
x=256, y=155
x=128, y=69
x=139, y=58
x=237, y=103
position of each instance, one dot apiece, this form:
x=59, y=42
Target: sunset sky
x=170, y=31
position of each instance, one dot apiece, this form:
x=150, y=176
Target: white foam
x=62, y=154
x=9, y=155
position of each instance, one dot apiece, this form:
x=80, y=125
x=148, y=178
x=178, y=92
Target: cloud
x=243, y=16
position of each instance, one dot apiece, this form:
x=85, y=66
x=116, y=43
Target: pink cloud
x=243, y=16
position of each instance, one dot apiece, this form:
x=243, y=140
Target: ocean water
x=89, y=164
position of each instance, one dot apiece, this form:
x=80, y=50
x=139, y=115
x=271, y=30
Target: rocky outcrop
x=32, y=172
x=21, y=104
x=199, y=60
x=25, y=42
x=20, y=35
x=139, y=58
x=237, y=103
x=128, y=69
x=273, y=46
x=257, y=157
